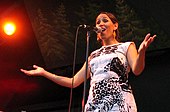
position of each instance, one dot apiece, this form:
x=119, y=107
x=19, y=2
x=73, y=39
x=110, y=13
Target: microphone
x=90, y=28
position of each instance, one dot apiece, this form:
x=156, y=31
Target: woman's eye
x=98, y=22
x=105, y=20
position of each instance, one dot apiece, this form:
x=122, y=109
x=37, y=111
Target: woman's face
x=104, y=22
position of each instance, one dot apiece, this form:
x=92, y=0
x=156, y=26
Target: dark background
x=20, y=92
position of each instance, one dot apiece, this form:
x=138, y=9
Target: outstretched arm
x=137, y=58
x=61, y=80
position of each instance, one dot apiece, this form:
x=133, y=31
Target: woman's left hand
x=146, y=42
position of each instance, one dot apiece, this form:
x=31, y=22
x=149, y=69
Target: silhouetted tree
x=43, y=33
x=54, y=38
x=162, y=40
x=130, y=25
x=62, y=28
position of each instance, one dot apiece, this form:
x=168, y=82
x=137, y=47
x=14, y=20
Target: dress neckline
x=111, y=45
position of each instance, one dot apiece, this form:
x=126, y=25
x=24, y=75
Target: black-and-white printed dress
x=110, y=90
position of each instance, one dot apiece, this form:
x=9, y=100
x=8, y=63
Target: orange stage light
x=9, y=28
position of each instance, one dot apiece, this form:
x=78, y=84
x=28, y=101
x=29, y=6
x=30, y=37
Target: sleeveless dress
x=109, y=87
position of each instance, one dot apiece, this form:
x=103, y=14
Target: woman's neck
x=109, y=42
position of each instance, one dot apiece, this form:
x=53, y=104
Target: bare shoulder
x=132, y=47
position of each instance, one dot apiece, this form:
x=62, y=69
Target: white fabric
x=110, y=90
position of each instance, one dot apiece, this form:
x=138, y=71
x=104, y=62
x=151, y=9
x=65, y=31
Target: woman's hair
x=114, y=20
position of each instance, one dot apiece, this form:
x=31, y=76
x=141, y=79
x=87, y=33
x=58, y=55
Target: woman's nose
x=101, y=24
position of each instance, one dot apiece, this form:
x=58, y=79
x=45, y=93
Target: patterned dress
x=110, y=90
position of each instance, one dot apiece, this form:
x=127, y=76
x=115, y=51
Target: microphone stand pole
x=85, y=76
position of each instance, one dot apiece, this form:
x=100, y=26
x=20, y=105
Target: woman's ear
x=115, y=26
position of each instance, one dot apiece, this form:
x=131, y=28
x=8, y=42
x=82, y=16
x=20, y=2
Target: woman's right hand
x=37, y=71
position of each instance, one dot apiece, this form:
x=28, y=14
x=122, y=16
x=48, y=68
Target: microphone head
x=97, y=29
x=91, y=28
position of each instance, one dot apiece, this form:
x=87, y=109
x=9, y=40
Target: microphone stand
x=85, y=76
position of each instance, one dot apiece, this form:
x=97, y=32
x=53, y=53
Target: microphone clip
x=90, y=28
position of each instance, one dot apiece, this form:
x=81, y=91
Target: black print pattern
x=108, y=93
x=117, y=66
x=104, y=50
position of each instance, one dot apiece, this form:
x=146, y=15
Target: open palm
x=37, y=71
x=146, y=42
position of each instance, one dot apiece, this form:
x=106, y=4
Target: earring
x=114, y=34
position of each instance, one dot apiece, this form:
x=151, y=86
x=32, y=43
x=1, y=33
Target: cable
x=74, y=61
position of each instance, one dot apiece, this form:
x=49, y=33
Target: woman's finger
x=147, y=37
x=35, y=66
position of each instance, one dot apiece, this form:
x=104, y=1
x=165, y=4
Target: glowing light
x=9, y=28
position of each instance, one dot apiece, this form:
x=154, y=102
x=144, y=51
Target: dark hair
x=114, y=20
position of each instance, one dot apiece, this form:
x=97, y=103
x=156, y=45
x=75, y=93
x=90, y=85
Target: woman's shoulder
x=127, y=43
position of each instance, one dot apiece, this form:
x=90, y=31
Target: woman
x=108, y=68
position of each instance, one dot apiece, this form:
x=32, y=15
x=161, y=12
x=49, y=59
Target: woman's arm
x=136, y=58
x=61, y=80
